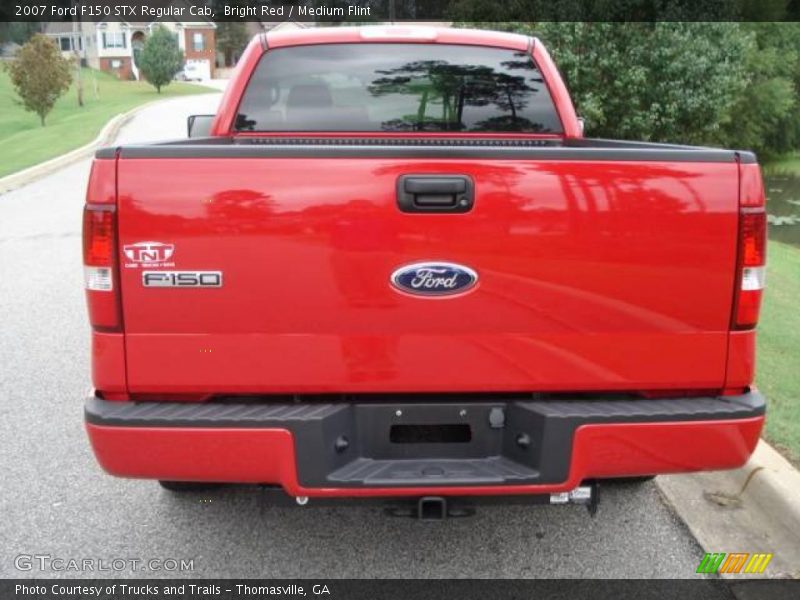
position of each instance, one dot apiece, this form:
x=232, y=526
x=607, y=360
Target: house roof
x=56, y=27
x=186, y=24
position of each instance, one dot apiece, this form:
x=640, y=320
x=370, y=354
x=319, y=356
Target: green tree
x=160, y=58
x=232, y=37
x=714, y=83
x=18, y=32
x=40, y=75
x=669, y=82
x=766, y=117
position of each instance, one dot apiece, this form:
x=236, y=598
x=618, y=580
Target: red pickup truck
x=392, y=265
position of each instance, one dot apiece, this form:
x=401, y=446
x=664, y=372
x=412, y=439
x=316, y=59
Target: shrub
x=160, y=58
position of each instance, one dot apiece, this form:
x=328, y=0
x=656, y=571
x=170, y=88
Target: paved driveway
x=55, y=500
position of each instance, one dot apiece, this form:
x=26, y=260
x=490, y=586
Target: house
x=113, y=46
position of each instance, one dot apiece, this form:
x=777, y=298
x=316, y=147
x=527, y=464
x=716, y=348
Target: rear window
x=397, y=88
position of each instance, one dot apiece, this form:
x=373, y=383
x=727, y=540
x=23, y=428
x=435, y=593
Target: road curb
x=777, y=485
x=752, y=509
x=105, y=137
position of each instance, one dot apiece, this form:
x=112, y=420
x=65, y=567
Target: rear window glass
x=397, y=87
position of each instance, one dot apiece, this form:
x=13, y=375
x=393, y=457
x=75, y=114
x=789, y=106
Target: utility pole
x=77, y=44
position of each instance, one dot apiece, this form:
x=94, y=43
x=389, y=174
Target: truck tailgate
x=593, y=275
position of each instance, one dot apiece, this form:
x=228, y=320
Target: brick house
x=113, y=46
x=199, y=45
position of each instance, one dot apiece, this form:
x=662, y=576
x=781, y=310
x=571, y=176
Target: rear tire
x=189, y=486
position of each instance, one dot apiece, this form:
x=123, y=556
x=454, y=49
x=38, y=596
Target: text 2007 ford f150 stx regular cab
x=393, y=266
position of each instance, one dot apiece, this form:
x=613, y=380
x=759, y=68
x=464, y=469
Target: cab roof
x=397, y=33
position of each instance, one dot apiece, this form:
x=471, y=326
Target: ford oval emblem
x=434, y=279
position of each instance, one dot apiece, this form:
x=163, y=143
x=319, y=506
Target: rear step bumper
x=423, y=449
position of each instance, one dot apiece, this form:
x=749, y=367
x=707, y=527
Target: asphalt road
x=55, y=500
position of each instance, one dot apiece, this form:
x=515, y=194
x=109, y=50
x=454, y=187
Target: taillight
x=751, y=268
x=99, y=265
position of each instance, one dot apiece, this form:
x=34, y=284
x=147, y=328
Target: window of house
x=114, y=39
x=198, y=42
x=69, y=43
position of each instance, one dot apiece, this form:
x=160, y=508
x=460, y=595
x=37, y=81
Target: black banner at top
x=377, y=11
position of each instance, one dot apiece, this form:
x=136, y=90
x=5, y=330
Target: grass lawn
x=786, y=164
x=69, y=126
x=778, y=368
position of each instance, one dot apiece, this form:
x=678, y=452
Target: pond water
x=783, y=206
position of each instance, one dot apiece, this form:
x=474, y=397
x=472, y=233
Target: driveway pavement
x=55, y=500
x=218, y=84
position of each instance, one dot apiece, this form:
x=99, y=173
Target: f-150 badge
x=434, y=279
x=182, y=279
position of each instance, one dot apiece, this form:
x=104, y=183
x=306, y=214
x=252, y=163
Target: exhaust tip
x=583, y=494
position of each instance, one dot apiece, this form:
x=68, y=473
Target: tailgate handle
x=435, y=193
